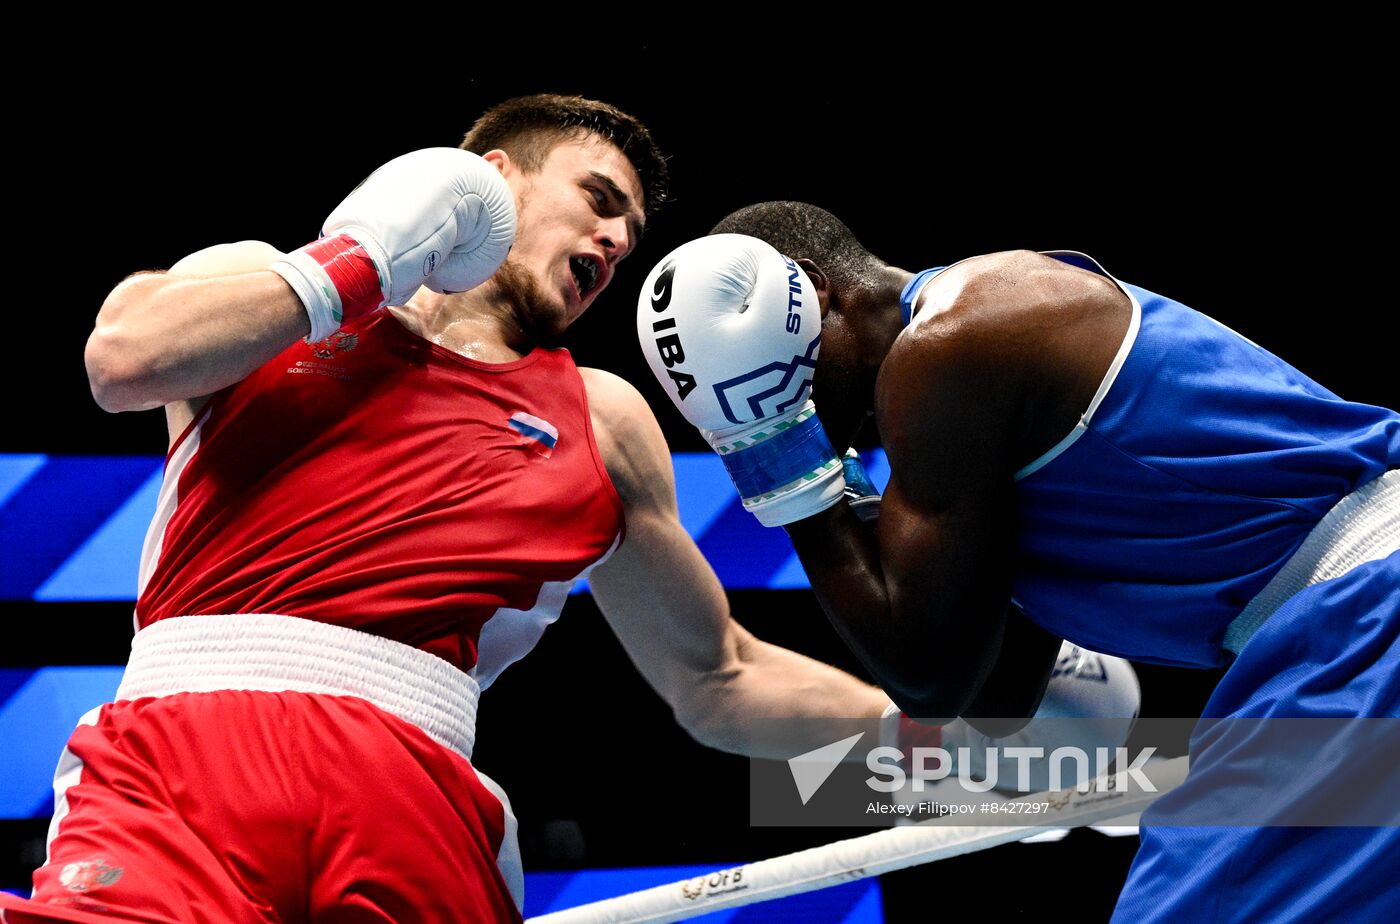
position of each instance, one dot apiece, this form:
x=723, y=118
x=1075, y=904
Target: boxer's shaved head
x=798, y=229
x=529, y=127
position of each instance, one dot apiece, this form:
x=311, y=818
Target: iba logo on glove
x=743, y=302
x=669, y=344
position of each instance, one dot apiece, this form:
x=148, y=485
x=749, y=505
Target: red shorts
x=237, y=806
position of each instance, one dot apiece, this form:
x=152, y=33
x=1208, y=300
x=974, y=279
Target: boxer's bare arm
x=965, y=398
x=174, y=337
x=667, y=607
x=924, y=600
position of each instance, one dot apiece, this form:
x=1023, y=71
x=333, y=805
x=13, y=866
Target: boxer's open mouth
x=586, y=274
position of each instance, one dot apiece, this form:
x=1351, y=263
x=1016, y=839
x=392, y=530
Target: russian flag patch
x=535, y=434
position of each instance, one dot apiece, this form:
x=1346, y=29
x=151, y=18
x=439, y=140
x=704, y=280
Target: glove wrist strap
x=336, y=280
x=352, y=272
x=784, y=469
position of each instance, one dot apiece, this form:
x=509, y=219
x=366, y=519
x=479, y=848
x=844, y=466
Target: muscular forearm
x=923, y=657
x=440, y=214
x=774, y=703
x=163, y=338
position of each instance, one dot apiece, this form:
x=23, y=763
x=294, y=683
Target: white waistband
x=1363, y=526
x=267, y=652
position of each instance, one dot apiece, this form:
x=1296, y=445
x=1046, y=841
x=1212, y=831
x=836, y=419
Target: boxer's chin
x=541, y=320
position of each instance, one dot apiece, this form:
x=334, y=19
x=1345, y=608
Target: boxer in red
x=378, y=493
x=379, y=490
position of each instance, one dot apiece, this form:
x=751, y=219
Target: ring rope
x=863, y=857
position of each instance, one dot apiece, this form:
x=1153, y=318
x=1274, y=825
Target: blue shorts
x=1329, y=651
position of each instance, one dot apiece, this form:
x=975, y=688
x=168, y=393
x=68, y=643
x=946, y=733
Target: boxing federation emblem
x=87, y=875
x=338, y=342
x=719, y=882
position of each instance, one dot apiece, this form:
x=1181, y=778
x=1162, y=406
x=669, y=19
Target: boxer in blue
x=1071, y=458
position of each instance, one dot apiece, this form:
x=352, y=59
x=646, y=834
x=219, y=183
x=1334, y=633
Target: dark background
x=1240, y=187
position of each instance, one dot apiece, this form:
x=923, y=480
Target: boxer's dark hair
x=799, y=229
x=529, y=127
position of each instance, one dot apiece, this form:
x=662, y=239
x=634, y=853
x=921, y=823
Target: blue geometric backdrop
x=71, y=527
x=39, y=709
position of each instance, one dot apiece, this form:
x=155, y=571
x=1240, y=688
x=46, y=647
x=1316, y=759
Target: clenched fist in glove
x=439, y=217
x=731, y=329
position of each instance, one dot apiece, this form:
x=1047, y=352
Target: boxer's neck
x=470, y=323
x=876, y=305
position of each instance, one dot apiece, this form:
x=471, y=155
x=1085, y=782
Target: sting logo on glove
x=794, y=319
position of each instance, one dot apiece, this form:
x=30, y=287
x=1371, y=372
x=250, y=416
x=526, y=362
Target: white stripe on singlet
x=166, y=503
x=1109, y=377
x=68, y=774
x=509, y=635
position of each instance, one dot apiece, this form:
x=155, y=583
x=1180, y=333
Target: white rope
x=863, y=857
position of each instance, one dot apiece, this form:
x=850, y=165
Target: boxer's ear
x=820, y=282
x=501, y=161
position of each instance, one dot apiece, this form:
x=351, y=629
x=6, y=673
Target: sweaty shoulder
x=1002, y=289
x=1021, y=337
x=629, y=438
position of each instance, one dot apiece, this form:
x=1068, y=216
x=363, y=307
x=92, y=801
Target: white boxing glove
x=1089, y=706
x=731, y=329
x=440, y=217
